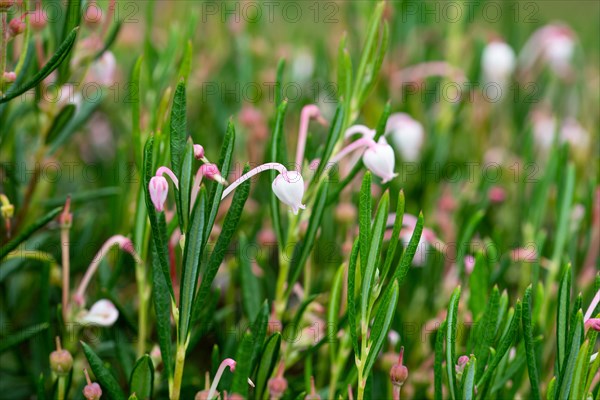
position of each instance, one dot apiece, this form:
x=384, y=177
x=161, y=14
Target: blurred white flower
x=407, y=135
x=303, y=66
x=498, y=62
x=552, y=44
x=103, y=313
x=104, y=70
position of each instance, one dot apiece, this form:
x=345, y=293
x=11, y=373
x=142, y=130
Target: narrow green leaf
x=186, y=63
x=594, y=367
x=391, y=251
x=8, y=342
x=60, y=121
x=562, y=317
x=335, y=132
x=451, y=323
x=411, y=249
x=110, y=39
x=41, y=388
x=279, y=80
x=364, y=221
x=275, y=156
x=178, y=128
x=375, y=64
x=224, y=166
x=186, y=179
x=161, y=298
x=218, y=254
x=191, y=264
x=469, y=379
x=243, y=367
x=307, y=244
x=270, y=355
x=381, y=325
x=251, y=291
x=157, y=220
x=505, y=342
x=569, y=365
x=529, y=346
x=580, y=375
x=438, y=359
x=478, y=285
x=56, y=59
x=352, y=318
x=333, y=311
x=376, y=240
x=27, y=232
x=551, y=393
x=259, y=332
x=107, y=381
x=486, y=332
x=72, y=20
x=141, y=381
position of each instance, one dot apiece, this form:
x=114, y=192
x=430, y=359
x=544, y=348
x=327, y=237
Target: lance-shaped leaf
x=451, y=323
x=141, y=381
x=276, y=155
x=569, y=365
x=505, y=342
x=308, y=242
x=161, y=298
x=251, y=290
x=486, y=331
x=191, y=264
x=333, y=311
x=529, y=345
x=60, y=121
x=178, y=128
x=107, y=381
x=10, y=341
x=268, y=360
x=335, y=133
x=27, y=232
x=244, y=365
x=478, y=285
x=411, y=249
x=580, y=374
x=56, y=59
x=186, y=178
x=438, y=359
x=391, y=251
x=469, y=379
x=562, y=317
x=364, y=221
x=72, y=20
x=352, y=317
x=381, y=325
x=157, y=220
x=229, y=226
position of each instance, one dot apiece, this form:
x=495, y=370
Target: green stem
x=143, y=295
x=284, y=269
x=61, y=387
x=3, y=45
x=179, y=361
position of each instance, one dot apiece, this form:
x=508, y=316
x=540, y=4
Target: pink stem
x=592, y=307
x=120, y=240
x=357, y=144
x=251, y=173
x=365, y=131
x=228, y=362
x=309, y=111
x=167, y=171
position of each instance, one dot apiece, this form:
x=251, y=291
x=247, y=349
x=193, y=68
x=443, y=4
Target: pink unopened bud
x=469, y=263
x=593, y=323
x=91, y=391
x=93, y=14
x=278, y=384
x=9, y=77
x=16, y=26
x=461, y=364
x=61, y=360
x=211, y=171
x=38, y=19
x=399, y=372
x=159, y=188
x=198, y=152
x=497, y=194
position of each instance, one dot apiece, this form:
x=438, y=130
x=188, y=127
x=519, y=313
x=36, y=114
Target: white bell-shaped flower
x=407, y=135
x=103, y=313
x=379, y=159
x=289, y=188
x=158, y=188
x=498, y=62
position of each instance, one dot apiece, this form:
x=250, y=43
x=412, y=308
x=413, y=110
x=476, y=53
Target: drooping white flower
x=380, y=160
x=289, y=188
x=103, y=313
x=407, y=135
x=498, y=62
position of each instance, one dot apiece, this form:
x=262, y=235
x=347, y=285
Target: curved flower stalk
x=310, y=111
x=159, y=187
x=226, y=363
x=592, y=307
x=288, y=186
x=124, y=244
x=378, y=156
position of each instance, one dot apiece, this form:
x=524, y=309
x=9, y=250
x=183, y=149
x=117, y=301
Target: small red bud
x=399, y=372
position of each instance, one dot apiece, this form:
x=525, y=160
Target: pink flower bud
x=593, y=323
x=497, y=194
x=211, y=171
x=159, y=188
x=399, y=372
x=469, y=263
x=198, y=152
x=9, y=77
x=16, y=26
x=93, y=14
x=289, y=188
x=380, y=160
x=38, y=19
x=461, y=364
x=61, y=360
x=91, y=391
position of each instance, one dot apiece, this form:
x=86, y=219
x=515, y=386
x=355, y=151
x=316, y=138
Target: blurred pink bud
x=211, y=171
x=461, y=363
x=469, y=263
x=593, y=323
x=16, y=26
x=198, y=152
x=497, y=194
x=9, y=77
x=38, y=19
x=159, y=188
x=93, y=14
x=91, y=391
